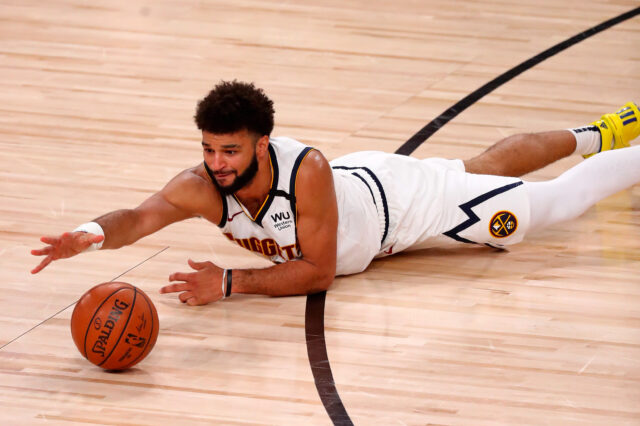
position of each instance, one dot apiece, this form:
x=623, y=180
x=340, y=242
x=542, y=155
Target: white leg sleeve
x=572, y=193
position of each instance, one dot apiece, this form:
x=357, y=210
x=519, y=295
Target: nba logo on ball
x=114, y=325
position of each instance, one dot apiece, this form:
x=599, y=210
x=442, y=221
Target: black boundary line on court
x=314, y=312
x=68, y=306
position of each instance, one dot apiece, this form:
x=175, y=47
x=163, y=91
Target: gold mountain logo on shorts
x=503, y=224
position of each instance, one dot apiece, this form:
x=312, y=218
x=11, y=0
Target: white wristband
x=224, y=284
x=93, y=228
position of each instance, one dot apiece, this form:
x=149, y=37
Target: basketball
x=114, y=325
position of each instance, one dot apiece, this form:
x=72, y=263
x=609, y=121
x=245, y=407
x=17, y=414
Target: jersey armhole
x=223, y=219
x=292, y=183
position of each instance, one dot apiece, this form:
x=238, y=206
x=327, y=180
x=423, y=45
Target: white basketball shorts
x=420, y=204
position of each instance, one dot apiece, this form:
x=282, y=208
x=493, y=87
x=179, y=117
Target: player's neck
x=253, y=195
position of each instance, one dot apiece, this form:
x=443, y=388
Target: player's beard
x=241, y=180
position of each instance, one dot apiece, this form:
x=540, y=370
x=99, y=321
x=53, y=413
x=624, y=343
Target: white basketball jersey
x=272, y=231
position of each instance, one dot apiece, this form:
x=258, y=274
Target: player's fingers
x=47, y=260
x=185, y=296
x=172, y=288
x=180, y=276
x=193, y=301
x=197, y=265
x=48, y=239
x=42, y=252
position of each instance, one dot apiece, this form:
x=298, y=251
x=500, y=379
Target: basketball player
x=317, y=219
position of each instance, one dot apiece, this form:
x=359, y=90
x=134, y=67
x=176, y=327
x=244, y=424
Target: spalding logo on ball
x=114, y=325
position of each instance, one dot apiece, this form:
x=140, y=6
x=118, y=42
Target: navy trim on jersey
x=382, y=195
x=274, y=186
x=225, y=210
x=472, y=217
x=292, y=183
x=281, y=193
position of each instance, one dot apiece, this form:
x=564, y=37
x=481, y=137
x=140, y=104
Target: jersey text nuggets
x=267, y=247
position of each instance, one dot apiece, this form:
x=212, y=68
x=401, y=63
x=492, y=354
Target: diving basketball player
x=317, y=219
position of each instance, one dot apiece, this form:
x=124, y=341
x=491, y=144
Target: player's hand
x=66, y=245
x=199, y=287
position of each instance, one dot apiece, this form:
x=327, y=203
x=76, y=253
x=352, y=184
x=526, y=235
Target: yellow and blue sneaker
x=618, y=129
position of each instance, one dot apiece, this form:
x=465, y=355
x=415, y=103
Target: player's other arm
x=123, y=227
x=317, y=227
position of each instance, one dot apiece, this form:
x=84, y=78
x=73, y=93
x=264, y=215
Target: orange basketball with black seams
x=114, y=325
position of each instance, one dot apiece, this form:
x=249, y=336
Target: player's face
x=233, y=158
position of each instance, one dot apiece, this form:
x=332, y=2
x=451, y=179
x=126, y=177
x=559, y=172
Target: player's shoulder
x=314, y=162
x=192, y=189
x=193, y=178
x=314, y=175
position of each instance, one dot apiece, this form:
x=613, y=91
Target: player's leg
x=520, y=154
x=572, y=193
x=523, y=153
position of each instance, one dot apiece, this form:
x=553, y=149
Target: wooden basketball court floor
x=97, y=106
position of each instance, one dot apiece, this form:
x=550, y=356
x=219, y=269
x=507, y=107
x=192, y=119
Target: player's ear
x=262, y=146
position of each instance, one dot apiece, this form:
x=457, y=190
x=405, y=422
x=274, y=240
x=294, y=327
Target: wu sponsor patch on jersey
x=503, y=224
x=282, y=220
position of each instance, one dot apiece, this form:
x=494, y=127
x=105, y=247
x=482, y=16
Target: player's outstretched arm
x=173, y=203
x=317, y=225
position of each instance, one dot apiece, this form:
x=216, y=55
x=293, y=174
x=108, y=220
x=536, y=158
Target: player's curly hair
x=233, y=106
